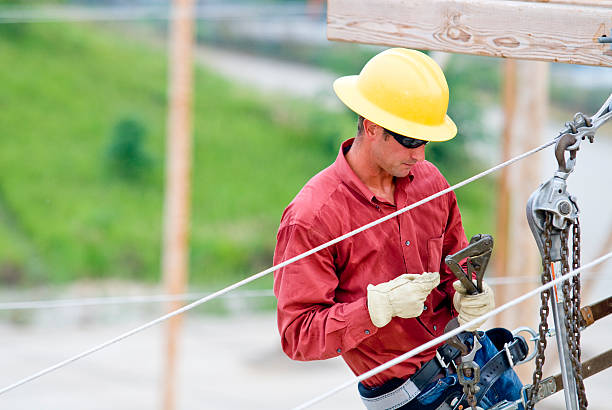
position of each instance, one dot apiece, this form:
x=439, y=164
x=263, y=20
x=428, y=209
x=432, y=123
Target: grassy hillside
x=64, y=91
x=65, y=212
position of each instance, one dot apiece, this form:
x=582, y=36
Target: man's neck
x=381, y=183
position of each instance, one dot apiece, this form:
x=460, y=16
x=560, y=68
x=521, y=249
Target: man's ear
x=370, y=129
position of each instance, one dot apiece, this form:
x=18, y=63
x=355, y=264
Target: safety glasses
x=406, y=141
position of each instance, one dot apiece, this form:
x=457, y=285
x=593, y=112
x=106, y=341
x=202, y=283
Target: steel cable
x=264, y=293
x=273, y=268
x=452, y=333
x=121, y=300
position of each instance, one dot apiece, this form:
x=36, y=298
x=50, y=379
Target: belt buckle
x=508, y=354
x=445, y=365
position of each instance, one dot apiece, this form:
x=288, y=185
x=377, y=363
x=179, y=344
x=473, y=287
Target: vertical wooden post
x=516, y=254
x=178, y=171
x=503, y=197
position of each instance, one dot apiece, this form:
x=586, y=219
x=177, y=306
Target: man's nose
x=418, y=153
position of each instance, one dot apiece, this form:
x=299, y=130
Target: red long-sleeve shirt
x=322, y=310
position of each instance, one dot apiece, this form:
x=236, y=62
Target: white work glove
x=403, y=296
x=472, y=306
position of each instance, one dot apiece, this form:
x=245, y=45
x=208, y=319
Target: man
x=382, y=292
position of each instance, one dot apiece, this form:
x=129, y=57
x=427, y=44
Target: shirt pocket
x=434, y=254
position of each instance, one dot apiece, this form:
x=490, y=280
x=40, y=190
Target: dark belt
x=445, y=356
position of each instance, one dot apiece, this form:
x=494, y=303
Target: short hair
x=359, y=125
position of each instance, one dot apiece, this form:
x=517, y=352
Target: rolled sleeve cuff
x=360, y=325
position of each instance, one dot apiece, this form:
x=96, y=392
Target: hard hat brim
x=347, y=91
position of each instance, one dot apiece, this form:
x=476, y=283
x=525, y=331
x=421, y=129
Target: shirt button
x=339, y=350
x=425, y=308
x=367, y=332
x=435, y=328
x=407, y=243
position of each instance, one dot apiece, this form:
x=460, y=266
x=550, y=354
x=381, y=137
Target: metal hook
x=566, y=142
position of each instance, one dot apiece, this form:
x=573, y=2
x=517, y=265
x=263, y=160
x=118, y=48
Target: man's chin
x=403, y=170
x=402, y=173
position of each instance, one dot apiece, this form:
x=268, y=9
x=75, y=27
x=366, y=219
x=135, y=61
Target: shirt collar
x=348, y=176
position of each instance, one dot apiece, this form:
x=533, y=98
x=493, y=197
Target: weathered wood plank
x=531, y=30
x=594, y=3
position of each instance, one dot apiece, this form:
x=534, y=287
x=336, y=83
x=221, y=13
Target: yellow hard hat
x=403, y=91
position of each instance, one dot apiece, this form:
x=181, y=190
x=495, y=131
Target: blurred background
x=83, y=112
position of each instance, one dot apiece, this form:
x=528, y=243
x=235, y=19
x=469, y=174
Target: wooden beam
x=592, y=3
x=175, y=257
x=548, y=31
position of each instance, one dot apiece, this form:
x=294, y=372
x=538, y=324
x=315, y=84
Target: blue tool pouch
x=498, y=382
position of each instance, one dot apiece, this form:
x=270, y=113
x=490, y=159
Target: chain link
x=576, y=318
x=544, y=310
x=568, y=309
x=470, y=392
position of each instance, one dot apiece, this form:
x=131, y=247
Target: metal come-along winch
x=552, y=212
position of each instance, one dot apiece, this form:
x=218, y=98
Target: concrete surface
x=225, y=363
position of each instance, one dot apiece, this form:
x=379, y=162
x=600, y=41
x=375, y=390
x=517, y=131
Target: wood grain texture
x=175, y=248
x=546, y=31
x=593, y=3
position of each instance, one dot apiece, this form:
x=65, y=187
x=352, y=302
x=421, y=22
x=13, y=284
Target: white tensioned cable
x=451, y=333
x=121, y=300
x=125, y=300
x=273, y=268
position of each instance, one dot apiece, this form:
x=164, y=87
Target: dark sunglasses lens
x=413, y=143
x=407, y=141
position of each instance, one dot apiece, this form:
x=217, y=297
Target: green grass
x=63, y=92
x=64, y=215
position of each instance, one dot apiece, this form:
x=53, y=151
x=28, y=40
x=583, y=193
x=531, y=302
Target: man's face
x=394, y=158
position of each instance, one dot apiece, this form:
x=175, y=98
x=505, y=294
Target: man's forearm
x=319, y=332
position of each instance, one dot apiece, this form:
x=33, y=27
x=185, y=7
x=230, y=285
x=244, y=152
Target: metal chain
x=544, y=310
x=576, y=279
x=470, y=396
x=571, y=327
x=577, y=318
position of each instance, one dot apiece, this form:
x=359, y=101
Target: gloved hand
x=472, y=306
x=403, y=296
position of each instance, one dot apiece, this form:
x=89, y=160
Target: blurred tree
x=126, y=155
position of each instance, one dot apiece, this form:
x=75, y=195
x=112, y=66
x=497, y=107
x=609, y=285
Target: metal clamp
x=468, y=373
x=547, y=387
x=441, y=360
x=508, y=354
x=468, y=370
x=582, y=126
